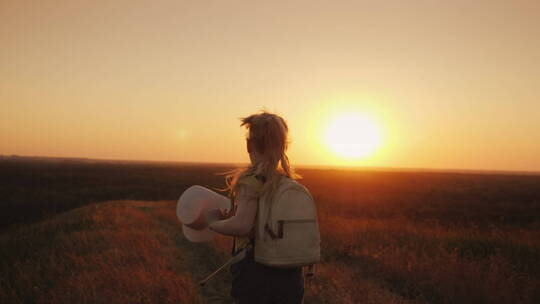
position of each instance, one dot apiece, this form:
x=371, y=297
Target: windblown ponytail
x=268, y=133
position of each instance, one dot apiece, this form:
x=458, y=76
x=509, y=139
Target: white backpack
x=287, y=232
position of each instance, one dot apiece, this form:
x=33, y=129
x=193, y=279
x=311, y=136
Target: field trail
x=199, y=259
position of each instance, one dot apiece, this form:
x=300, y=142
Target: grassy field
x=104, y=232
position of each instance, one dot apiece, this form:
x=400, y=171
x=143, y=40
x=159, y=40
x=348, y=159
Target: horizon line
x=327, y=167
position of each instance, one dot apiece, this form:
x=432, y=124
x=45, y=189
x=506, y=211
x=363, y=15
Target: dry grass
x=133, y=251
x=113, y=252
x=430, y=263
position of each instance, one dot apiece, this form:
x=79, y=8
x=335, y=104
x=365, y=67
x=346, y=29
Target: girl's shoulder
x=254, y=181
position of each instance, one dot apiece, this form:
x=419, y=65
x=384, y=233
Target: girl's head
x=266, y=142
x=267, y=138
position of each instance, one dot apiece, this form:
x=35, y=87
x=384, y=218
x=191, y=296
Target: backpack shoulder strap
x=287, y=184
x=291, y=184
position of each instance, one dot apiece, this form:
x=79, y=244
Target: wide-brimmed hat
x=191, y=210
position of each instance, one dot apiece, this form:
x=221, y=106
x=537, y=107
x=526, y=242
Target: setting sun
x=353, y=136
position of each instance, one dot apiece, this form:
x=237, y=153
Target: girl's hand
x=226, y=214
x=212, y=216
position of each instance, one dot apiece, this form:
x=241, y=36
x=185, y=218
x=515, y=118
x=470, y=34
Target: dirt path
x=203, y=258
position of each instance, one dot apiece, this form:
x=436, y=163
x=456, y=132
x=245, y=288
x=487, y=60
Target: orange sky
x=451, y=84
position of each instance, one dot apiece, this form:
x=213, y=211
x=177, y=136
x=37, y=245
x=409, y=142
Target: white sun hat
x=191, y=210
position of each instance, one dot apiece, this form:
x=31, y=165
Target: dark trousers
x=257, y=283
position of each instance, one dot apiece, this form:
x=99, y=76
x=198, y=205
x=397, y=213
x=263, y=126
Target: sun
x=353, y=136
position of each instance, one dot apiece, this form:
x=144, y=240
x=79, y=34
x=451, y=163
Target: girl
x=253, y=282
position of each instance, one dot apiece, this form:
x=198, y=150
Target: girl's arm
x=241, y=223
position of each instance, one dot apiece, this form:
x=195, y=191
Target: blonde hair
x=268, y=134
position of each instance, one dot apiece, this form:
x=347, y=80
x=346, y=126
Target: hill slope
x=110, y=252
x=134, y=252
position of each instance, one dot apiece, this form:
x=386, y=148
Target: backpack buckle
x=272, y=234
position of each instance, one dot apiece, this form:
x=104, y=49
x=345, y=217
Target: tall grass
x=108, y=253
x=431, y=263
